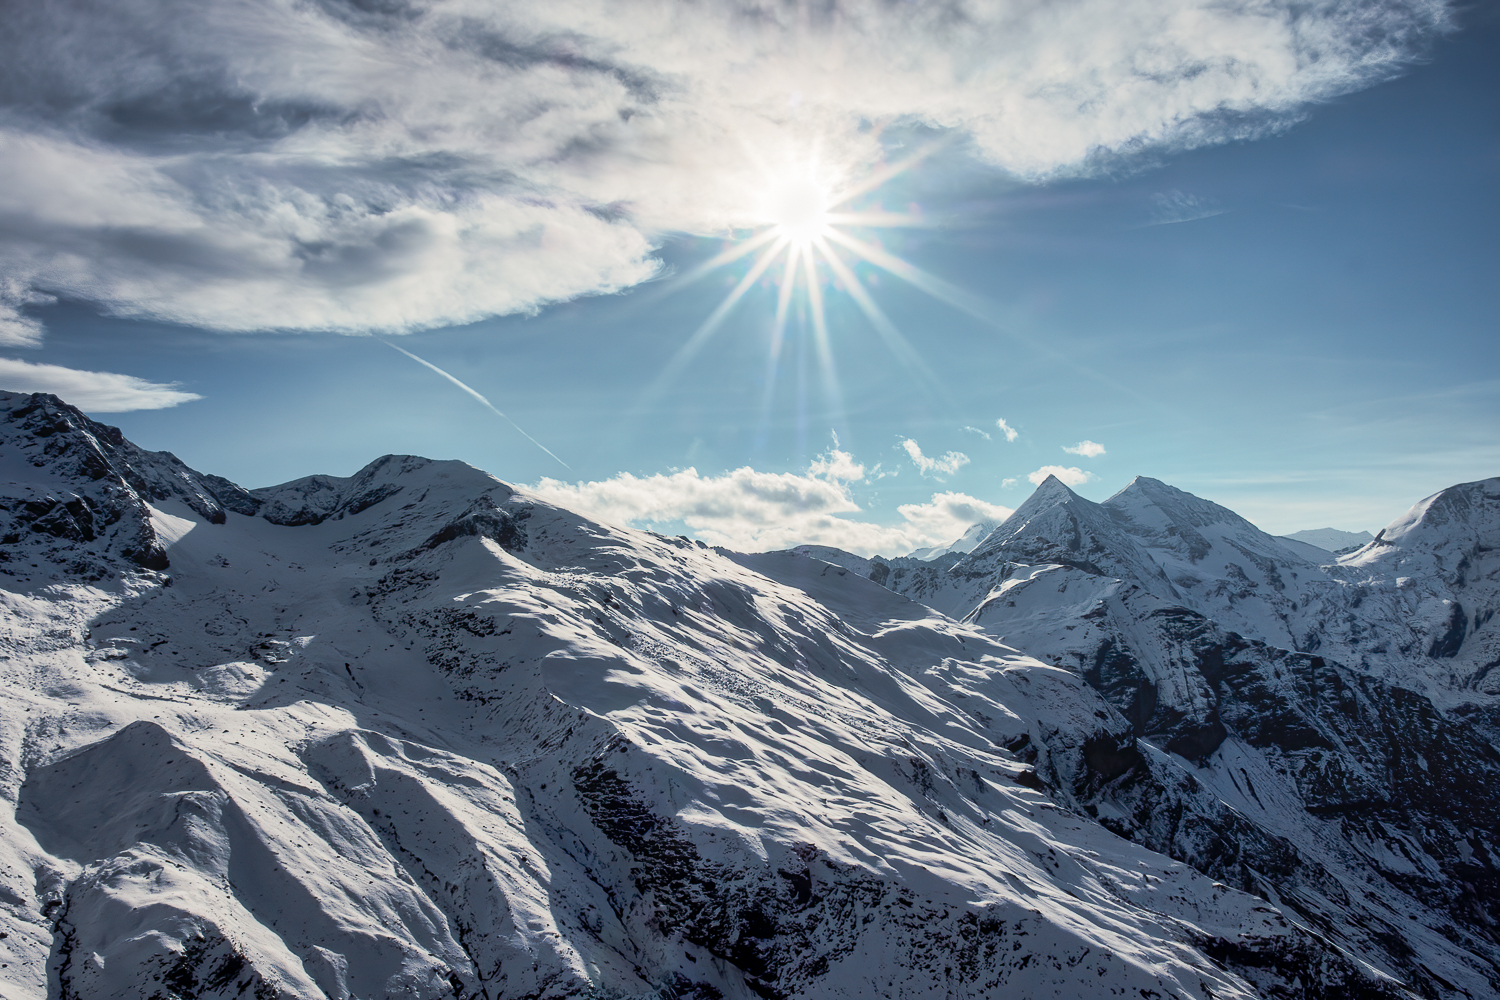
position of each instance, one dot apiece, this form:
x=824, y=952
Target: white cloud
x=949, y=515
x=948, y=464
x=750, y=510
x=1008, y=483
x=836, y=466
x=976, y=430
x=95, y=392
x=1010, y=432
x=349, y=166
x=1088, y=449
x=1069, y=476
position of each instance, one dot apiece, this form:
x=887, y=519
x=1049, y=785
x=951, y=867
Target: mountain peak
x=1052, y=487
x=1447, y=533
x=1057, y=526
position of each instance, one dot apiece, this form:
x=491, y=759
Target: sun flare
x=813, y=233
x=798, y=210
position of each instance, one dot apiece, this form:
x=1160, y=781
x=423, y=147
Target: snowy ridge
x=1417, y=604
x=417, y=733
x=461, y=742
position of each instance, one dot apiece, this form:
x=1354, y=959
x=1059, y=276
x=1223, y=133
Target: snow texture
x=417, y=733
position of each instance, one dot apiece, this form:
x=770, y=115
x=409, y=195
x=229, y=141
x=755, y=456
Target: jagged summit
x=1057, y=526
x=58, y=442
x=314, y=499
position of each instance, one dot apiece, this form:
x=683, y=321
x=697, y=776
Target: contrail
x=493, y=408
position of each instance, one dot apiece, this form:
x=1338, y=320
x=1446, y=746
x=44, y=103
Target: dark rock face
x=483, y=519
x=68, y=443
x=1451, y=641
x=94, y=492
x=709, y=904
x=94, y=486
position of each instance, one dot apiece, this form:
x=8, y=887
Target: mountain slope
x=1298, y=696
x=419, y=733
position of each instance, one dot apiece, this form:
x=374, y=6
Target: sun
x=812, y=231
x=798, y=209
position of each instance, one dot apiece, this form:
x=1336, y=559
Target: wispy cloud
x=352, y=166
x=1008, y=483
x=95, y=392
x=948, y=464
x=976, y=430
x=1069, y=476
x=750, y=510
x=16, y=328
x=1168, y=207
x=1088, y=449
x=1010, y=432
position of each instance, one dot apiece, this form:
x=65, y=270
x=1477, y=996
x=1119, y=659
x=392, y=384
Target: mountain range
x=420, y=733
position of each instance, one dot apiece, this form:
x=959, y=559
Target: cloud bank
x=354, y=166
x=753, y=511
x=96, y=392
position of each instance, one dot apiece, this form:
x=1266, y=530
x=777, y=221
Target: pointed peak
x=1053, y=487
x=1050, y=492
x=1151, y=499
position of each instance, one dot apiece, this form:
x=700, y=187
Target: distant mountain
x=1331, y=539
x=418, y=733
x=963, y=544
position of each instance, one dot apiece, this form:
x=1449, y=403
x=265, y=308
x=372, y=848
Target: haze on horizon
x=850, y=274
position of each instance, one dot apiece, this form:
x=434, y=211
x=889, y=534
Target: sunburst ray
x=894, y=339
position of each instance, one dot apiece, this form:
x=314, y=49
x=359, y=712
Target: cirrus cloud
x=342, y=165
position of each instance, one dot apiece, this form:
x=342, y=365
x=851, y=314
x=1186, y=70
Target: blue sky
x=1278, y=295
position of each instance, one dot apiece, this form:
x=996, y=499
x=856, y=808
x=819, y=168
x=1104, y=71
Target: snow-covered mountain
x=963, y=544
x=417, y=733
x=1322, y=681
